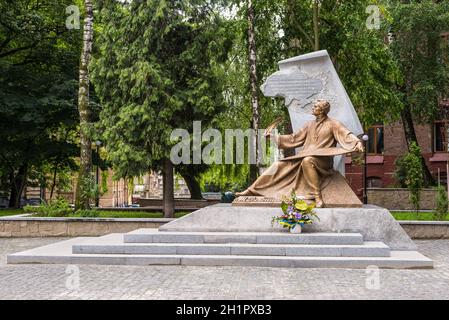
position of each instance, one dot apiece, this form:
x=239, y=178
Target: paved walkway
x=180, y=282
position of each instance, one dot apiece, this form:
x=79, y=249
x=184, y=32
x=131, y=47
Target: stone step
x=367, y=249
x=61, y=253
x=155, y=236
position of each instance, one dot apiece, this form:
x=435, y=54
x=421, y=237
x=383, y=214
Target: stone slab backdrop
x=303, y=79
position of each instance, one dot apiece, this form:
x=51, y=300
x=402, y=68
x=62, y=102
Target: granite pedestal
x=223, y=235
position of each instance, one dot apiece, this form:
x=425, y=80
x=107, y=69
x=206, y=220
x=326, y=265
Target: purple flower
x=298, y=215
x=289, y=209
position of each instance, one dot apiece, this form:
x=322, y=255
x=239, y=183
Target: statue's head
x=321, y=107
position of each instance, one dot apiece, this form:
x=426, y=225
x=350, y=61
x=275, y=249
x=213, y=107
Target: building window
x=375, y=139
x=440, y=136
x=374, y=182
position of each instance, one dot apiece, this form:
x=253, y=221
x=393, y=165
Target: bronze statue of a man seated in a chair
x=308, y=171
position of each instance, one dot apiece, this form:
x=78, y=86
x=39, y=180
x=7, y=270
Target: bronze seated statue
x=311, y=169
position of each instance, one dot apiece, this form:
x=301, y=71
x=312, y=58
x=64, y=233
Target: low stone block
x=203, y=250
x=250, y=250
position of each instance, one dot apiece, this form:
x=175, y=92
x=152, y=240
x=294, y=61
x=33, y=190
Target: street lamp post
x=365, y=194
x=97, y=196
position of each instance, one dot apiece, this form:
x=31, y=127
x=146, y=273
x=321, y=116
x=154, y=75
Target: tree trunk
x=316, y=25
x=194, y=186
x=294, y=36
x=169, y=197
x=18, y=183
x=410, y=136
x=252, y=54
x=13, y=190
x=53, y=183
x=82, y=201
x=288, y=130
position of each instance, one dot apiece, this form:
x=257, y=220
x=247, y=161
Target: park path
x=181, y=282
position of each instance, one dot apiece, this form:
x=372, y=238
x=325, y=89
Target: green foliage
x=90, y=189
x=56, y=208
x=421, y=216
x=421, y=55
x=104, y=181
x=225, y=177
x=409, y=173
x=363, y=59
x=10, y=212
x=441, y=209
x=361, y=56
x=86, y=213
x=38, y=69
x=154, y=72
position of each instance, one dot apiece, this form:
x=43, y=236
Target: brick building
x=387, y=143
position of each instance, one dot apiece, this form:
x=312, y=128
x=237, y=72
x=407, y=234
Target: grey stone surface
x=226, y=218
x=148, y=236
x=113, y=244
x=62, y=253
x=426, y=229
x=311, y=238
x=366, y=250
x=35, y=281
x=258, y=250
x=203, y=249
x=230, y=238
x=374, y=223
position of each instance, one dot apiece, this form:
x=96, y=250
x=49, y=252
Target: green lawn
x=136, y=214
x=399, y=215
x=124, y=214
x=410, y=215
x=10, y=212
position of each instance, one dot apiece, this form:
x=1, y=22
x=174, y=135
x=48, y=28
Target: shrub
x=409, y=173
x=442, y=204
x=56, y=208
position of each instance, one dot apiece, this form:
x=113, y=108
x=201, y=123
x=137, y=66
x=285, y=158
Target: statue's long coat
x=319, y=140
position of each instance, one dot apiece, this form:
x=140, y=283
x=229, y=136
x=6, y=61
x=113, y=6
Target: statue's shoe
x=309, y=197
x=319, y=202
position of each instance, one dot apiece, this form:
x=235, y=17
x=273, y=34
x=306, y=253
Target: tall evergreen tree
x=156, y=72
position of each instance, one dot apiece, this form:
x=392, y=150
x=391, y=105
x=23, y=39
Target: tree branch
x=306, y=35
x=13, y=51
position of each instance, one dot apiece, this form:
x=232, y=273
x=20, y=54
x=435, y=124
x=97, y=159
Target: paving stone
x=229, y=282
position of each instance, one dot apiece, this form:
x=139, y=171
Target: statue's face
x=316, y=109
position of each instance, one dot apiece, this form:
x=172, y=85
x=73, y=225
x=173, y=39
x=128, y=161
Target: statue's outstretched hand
x=359, y=147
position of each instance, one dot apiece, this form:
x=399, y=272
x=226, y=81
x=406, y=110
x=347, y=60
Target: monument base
x=223, y=235
x=374, y=223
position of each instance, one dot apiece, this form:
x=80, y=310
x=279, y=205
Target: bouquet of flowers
x=295, y=212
